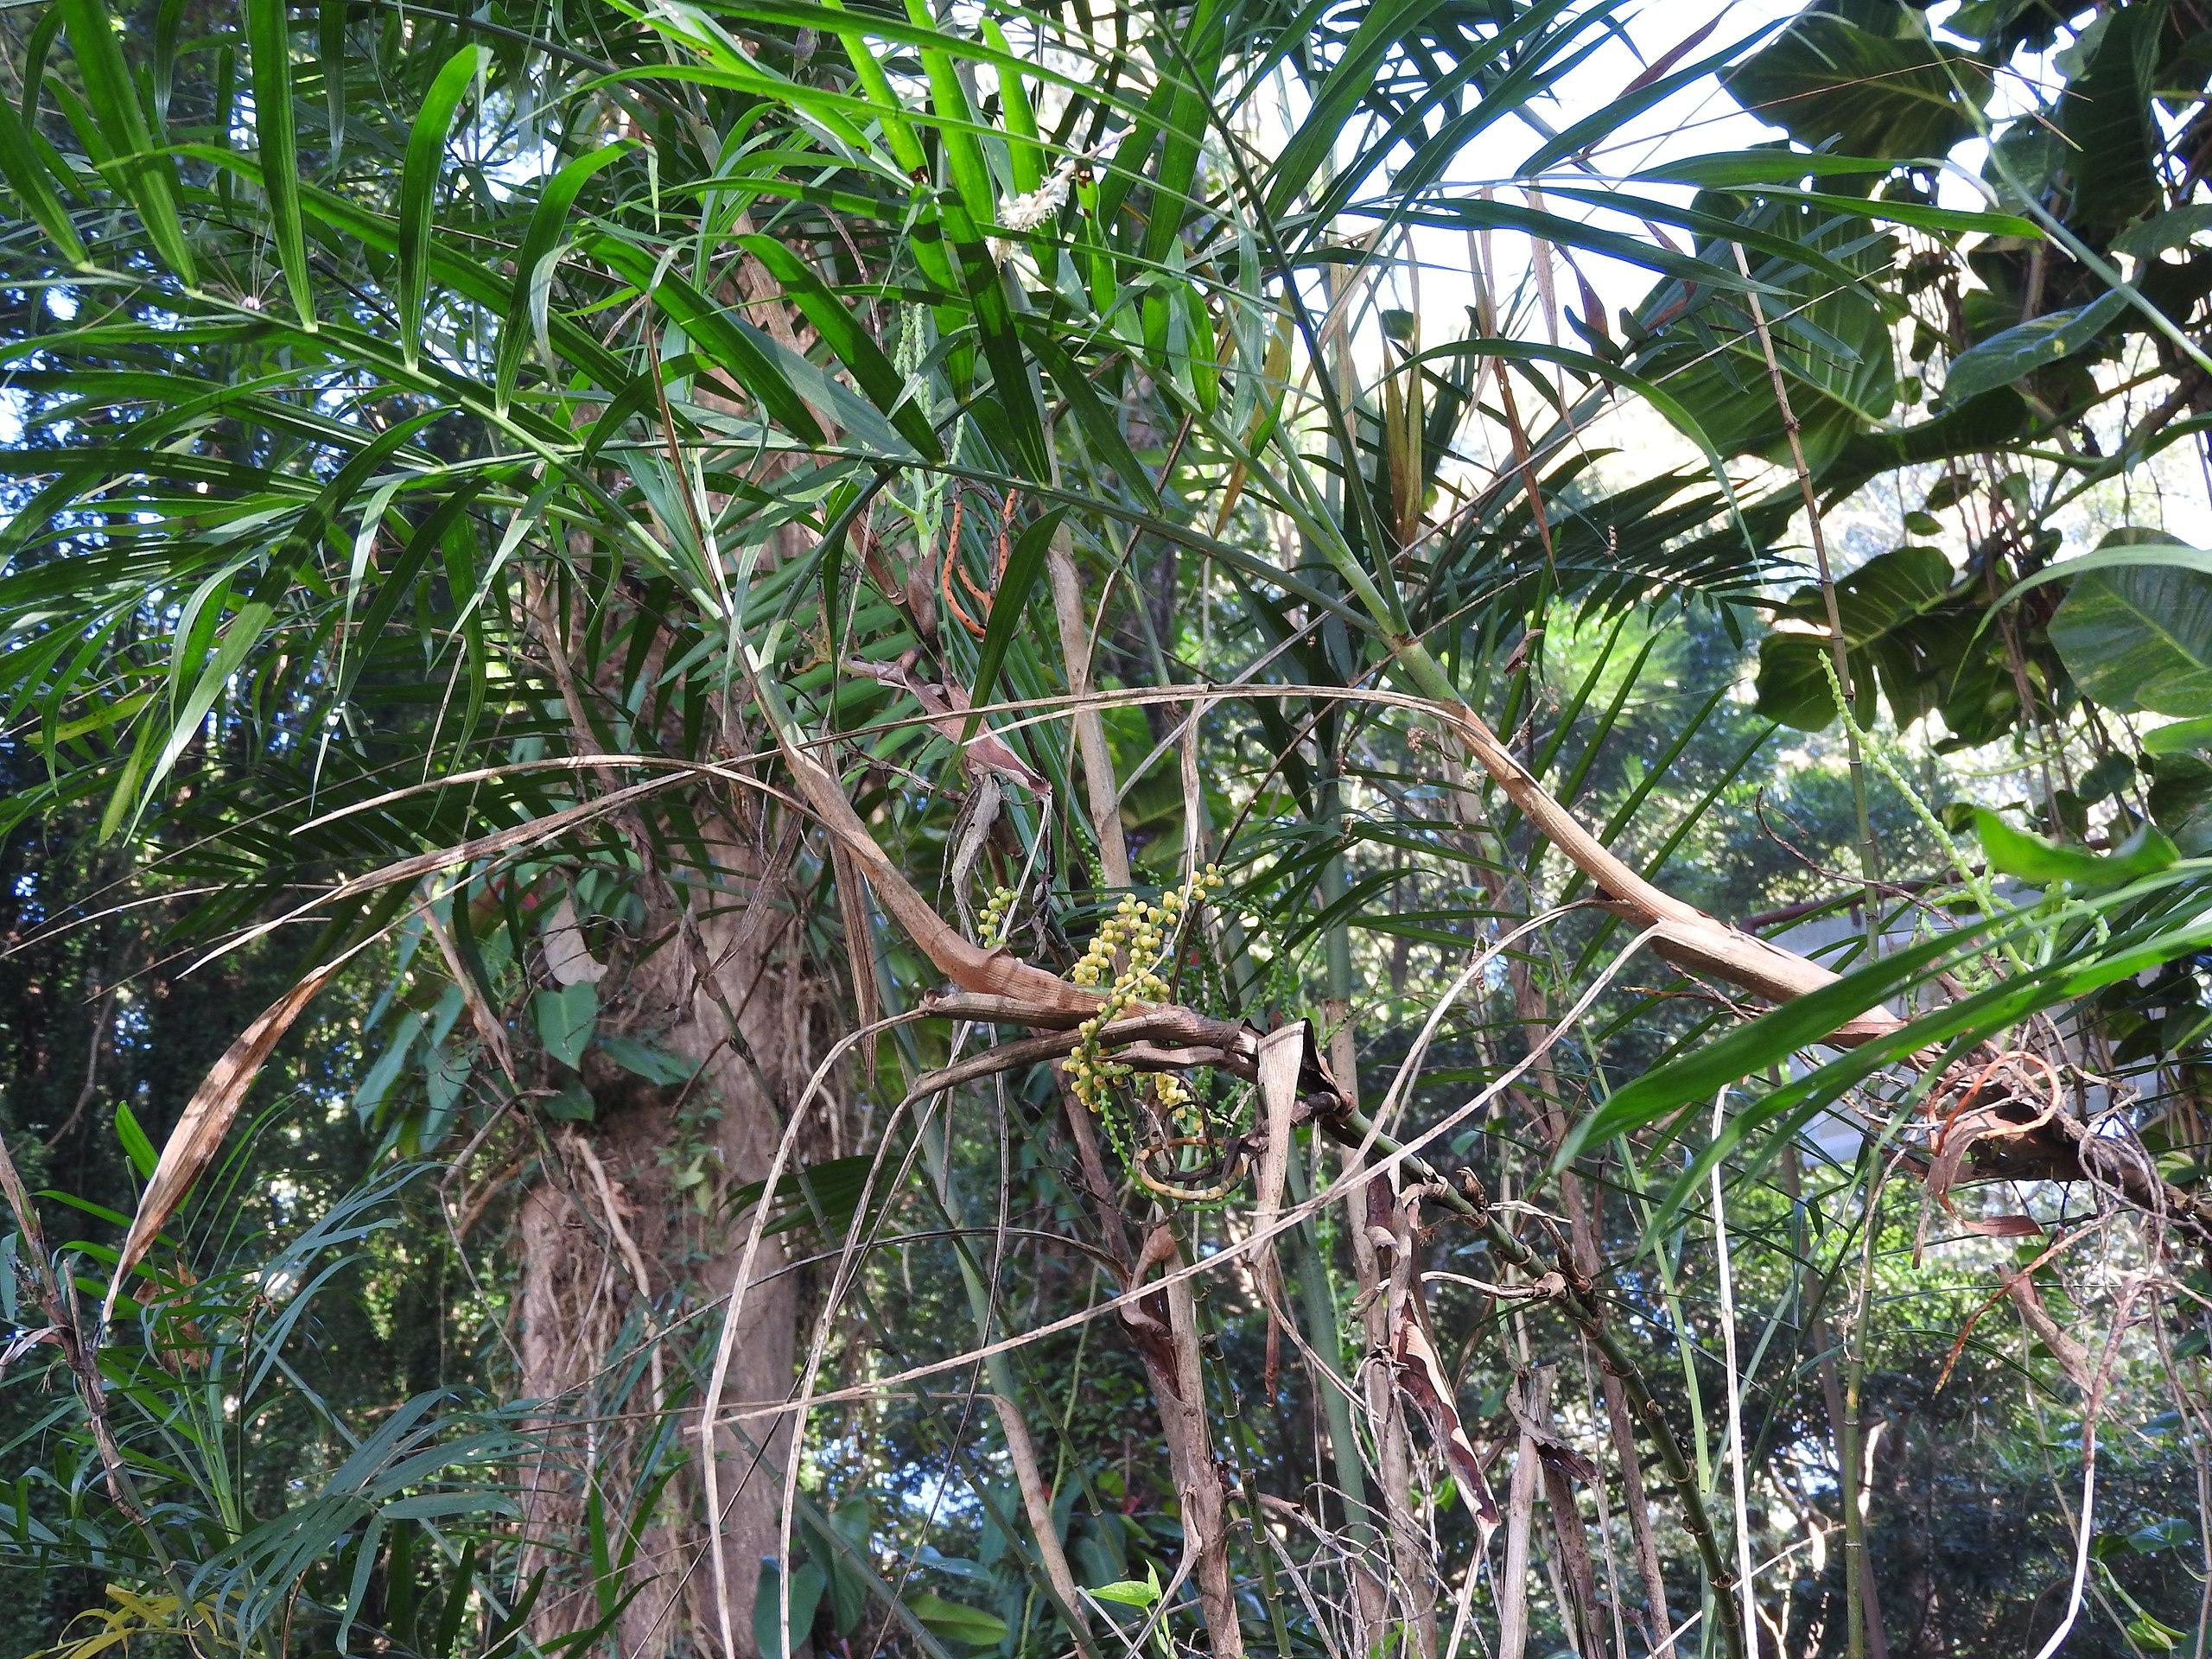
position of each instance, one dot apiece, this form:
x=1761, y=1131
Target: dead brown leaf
x=1422, y=1375
x=192, y=1144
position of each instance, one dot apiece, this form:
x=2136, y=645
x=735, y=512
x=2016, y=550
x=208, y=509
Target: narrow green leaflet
x=855, y=348
x=330, y=38
x=26, y=174
x=136, y=1144
x=275, y=132
x=1765, y=1041
x=146, y=181
x=1725, y=169
x=1953, y=1028
x=1350, y=80
x=541, y=242
x=418, y=188
x=1010, y=604
x=1603, y=124
x=1099, y=428
x=244, y=631
x=732, y=345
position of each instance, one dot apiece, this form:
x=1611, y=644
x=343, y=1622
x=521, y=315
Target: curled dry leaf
x=489, y=1031
x=2015, y=1226
x=1551, y=1446
x=1422, y=1375
x=192, y=1144
x=567, y=957
x=24, y=1341
x=860, y=949
x=2072, y=1357
x=947, y=706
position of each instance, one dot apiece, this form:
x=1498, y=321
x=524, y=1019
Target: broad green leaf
x=1975, y=427
x=1878, y=604
x=1831, y=332
x=2110, y=774
x=1133, y=1593
x=2121, y=550
x=1834, y=85
x=830, y=1192
x=569, y=1103
x=956, y=1622
x=2138, y=634
x=642, y=1059
x=1887, y=590
x=2175, y=228
x=1129, y=1592
x=566, y=1017
x=806, y=1587
x=2030, y=858
x=2003, y=358
x=2171, y=1533
x=2181, y=737
x=445, y=1076
x=2108, y=122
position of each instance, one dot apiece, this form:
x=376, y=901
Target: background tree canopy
x=1376, y=827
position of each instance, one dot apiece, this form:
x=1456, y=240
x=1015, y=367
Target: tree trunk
x=607, y=1240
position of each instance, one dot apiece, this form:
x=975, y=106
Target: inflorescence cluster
x=990, y=926
x=1125, y=958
